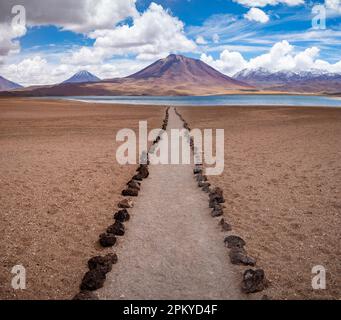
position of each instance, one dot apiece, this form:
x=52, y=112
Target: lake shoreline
x=213, y=101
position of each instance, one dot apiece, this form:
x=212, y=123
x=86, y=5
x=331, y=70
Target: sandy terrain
x=282, y=181
x=173, y=248
x=59, y=183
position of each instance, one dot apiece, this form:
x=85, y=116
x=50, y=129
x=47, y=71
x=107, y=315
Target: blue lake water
x=226, y=100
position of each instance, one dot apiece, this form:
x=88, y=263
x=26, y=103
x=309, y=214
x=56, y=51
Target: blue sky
x=114, y=41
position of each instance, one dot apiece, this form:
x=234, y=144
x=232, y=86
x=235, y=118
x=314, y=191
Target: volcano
x=82, y=77
x=177, y=69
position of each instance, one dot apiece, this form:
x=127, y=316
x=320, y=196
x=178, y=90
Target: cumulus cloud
x=74, y=15
x=28, y=71
x=228, y=63
x=263, y=3
x=36, y=70
x=282, y=56
x=333, y=4
x=8, y=42
x=153, y=34
x=258, y=15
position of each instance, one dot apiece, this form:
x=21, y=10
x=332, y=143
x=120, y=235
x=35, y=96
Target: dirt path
x=172, y=249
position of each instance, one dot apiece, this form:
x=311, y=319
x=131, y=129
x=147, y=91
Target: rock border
x=100, y=266
x=254, y=280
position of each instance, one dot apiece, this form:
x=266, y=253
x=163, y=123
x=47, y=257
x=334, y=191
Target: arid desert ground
x=59, y=182
x=282, y=181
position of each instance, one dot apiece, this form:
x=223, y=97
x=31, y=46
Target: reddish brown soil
x=59, y=184
x=282, y=182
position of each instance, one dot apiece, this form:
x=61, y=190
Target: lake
x=224, y=100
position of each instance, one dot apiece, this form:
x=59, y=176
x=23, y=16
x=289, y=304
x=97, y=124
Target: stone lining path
x=173, y=248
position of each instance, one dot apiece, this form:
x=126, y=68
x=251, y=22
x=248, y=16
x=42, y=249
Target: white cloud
x=333, y=8
x=258, y=15
x=200, y=40
x=28, y=71
x=228, y=63
x=333, y=5
x=153, y=34
x=74, y=15
x=36, y=70
x=263, y=3
x=8, y=43
x=282, y=56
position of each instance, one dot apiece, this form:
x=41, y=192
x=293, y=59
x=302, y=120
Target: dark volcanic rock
x=225, y=226
x=197, y=170
x=203, y=184
x=143, y=171
x=126, y=204
x=122, y=216
x=213, y=203
x=104, y=264
x=138, y=177
x=217, y=211
x=107, y=240
x=240, y=257
x=218, y=197
x=206, y=189
x=130, y=193
x=132, y=184
x=254, y=281
x=117, y=229
x=200, y=177
x=234, y=242
x=85, y=295
x=217, y=191
x=93, y=280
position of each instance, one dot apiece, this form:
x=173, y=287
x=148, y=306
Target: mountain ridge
x=312, y=80
x=173, y=75
x=6, y=84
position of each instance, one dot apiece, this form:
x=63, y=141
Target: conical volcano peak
x=180, y=70
x=82, y=76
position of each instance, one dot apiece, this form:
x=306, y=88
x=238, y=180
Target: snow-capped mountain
x=263, y=76
x=301, y=81
x=82, y=77
x=6, y=85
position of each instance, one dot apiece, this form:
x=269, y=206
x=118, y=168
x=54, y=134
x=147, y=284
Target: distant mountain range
x=6, y=85
x=313, y=81
x=180, y=75
x=174, y=75
x=82, y=77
